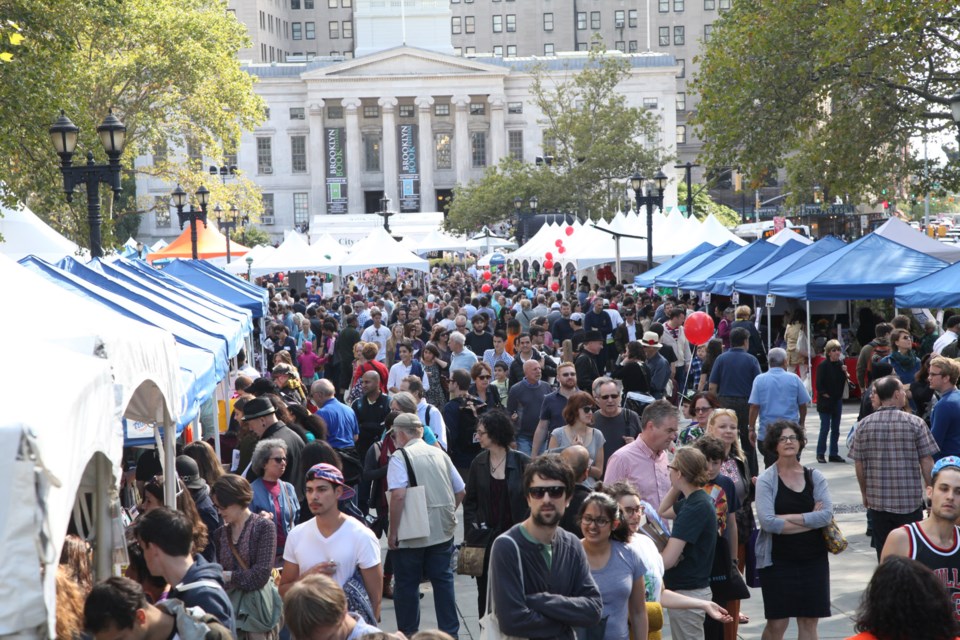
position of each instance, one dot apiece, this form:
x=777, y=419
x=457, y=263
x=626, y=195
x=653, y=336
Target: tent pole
x=809, y=342
x=769, y=327
x=170, y=465
x=103, y=551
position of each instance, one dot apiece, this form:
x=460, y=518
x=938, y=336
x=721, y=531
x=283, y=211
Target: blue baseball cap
x=946, y=461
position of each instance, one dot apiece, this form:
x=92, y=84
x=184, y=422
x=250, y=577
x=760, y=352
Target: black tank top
x=945, y=563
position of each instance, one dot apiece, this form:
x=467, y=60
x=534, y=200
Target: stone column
x=388, y=109
x=461, y=138
x=428, y=196
x=318, y=174
x=355, y=202
x=498, y=134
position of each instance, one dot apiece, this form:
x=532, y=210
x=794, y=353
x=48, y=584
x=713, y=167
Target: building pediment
x=403, y=62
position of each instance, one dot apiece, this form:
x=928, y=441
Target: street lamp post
x=226, y=171
x=650, y=200
x=112, y=132
x=229, y=223
x=249, y=267
x=179, y=200
x=385, y=213
x=955, y=111
x=534, y=203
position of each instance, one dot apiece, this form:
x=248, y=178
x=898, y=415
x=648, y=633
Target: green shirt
x=546, y=550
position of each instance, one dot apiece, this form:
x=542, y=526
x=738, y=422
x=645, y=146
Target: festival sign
x=336, y=169
x=409, y=174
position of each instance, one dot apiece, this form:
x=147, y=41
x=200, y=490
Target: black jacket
x=213, y=600
x=831, y=380
x=571, y=517
x=209, y=516
x=476, y=502
x=587, y=371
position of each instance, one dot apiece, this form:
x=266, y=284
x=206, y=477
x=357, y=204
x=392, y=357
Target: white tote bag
x=415, y=522
x=489, y=624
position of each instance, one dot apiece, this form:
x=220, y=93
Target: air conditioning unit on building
x=266, y=170
x=267, y=220
x=619, y=24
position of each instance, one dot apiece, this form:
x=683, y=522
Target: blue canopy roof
x=701, y=279
x=219, y=283
x=197, y=371
x=723, y=284
x=939, y=290
x=671, y=277
x=756, y=283
x=867, y=269
x=646, y=279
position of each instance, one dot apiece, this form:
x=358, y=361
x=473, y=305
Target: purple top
x=257, y=546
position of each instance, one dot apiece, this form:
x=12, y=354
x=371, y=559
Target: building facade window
x=649, y=103
x=442, y=152
x=678, y=6
x=346, y=4
x=548, y=49
x=297, y=113
x=681, y=100
x=268, y=209
x=469, y=24
x=371, y=152
x=678, y=36
x=683, y=67
x=619, y=19
x=310, y=30
x=515, y=108
x=581, y=20
x=371, y=111
x=548, y=22
x=724, y=4
x=301, y=210
x=709, y=5
x=620, y=46
x=707, y=32
x=334, y=29
x=478, y=149
x=594, y=19
x=294, y=4
x=298, y=154
x=308, y=4
x=498, y=50
x=497, y=24
x=664, y=6
x=331, y=4
x=347, y=28
x=406, y=111
x=681, y=134
x=335, y=113
x=478, y=109
x=441, y=109
x=456, y=26
x=511, y=51
x=160, y=152
x=511, y=23
x=632, y=18
x=296, y=29
x=264, y=155
x=161, y=206
x=470, y=51
x=664, y=36
x=194, y=154
x=515, y=145
x=632, y=46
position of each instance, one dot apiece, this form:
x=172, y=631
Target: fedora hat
x=257, y=408
x=651, y=339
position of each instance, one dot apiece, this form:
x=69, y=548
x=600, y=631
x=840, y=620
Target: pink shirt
x=646, y=470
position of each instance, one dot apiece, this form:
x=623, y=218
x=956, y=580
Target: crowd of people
x=591, y=506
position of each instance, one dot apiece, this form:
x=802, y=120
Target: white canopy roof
x=259, y=252
x=25, y=234
x=294, y=254
x=902, y=233
x=327, y=245
x=437, y=240
x=787, y=234
x=379, y=249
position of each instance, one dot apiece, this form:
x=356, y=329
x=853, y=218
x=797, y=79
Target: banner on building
x=334, y=140
x=409, y=174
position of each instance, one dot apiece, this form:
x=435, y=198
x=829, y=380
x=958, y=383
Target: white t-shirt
x=350, y=546
x=653, y=562
x=379, y=336
x=948, y=338
x=399, y=371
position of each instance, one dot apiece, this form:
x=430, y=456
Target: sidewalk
x=849, y=572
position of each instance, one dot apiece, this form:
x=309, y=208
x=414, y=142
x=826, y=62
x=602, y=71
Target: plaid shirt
x=889, y=443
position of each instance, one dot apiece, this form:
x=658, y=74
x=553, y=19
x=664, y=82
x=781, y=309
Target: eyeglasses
x=588, y=409
x=703, y=409
x=587, y=521
x=483, y=377
x=934, y=373
x=785, y=439
x=279, y=460
x=554, y=491
x=610, y=396
x=632, y=511
x=481, y=432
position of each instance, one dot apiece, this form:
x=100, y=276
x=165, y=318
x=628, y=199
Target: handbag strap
x=236, y=553
x=411, y=476
x=519, y=567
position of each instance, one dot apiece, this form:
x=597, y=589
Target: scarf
x=904, y=360
x=294, y=383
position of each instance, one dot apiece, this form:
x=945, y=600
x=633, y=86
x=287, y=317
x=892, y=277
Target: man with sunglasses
x=551, y=410
x=537, y=552
x=618, y=425
x=377, y=333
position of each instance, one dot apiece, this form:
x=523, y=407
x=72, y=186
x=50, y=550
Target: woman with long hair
x=702, y=404
x=904, y=361
x=396, y=339
x=274, y=497
x=579, y=429
x=631, y=370
x=76, y=558
x=206, y=458
x=429, y=360
x=615, y=566
x=711, y=351
x=793, y=504
x=153, y=498
x=482, y=375
x=313, y=425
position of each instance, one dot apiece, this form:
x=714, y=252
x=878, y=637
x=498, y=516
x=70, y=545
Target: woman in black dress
x=793, y=504
x=631, y=370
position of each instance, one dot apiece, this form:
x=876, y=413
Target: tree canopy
x=833, y=91
x=593, y=137
x=704, y=205
x=167, y=68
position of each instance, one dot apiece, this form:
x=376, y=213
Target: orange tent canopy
x=210, y=244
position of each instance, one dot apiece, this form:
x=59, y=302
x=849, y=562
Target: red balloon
x=487, y=275
x=485, y=288
x=555, y=286
x=569, y=231
x=698, y=328
x=548, y=264
x=548, y=255
x=558, y=243
x=562, y=249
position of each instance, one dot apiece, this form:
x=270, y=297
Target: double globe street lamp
x=180, y=200
x=112, y=133
x=229, y=223
x=643, y=192
x=521, y=235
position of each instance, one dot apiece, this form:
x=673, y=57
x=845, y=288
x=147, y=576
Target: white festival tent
x=379, y=249
x=115, y=367
x=26, y=234
x=787, y=234
x=294, y=254
x=257, y=253
x=326, y=245
x=902, y=233
x=437, y=240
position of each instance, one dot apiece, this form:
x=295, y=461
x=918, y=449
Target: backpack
x=193, y=623
x=880, y=351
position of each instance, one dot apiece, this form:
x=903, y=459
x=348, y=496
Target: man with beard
x=935, y=541
x=332, y=543
x=537, y=552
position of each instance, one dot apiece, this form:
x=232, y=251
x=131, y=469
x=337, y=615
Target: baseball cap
x=946, y=461
x=189, y=472
x=577, y=317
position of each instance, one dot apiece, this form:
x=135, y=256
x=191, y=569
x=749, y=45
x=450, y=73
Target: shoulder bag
x=414, y=523
x=489, y=623
x=256, y=611
x=833, y=537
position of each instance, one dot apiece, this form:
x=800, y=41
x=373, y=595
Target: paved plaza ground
x=849, y=572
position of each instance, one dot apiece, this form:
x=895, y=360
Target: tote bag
x=415, y=522
x=489, y=624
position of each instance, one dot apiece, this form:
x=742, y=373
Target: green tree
x=832, y=91
x=250, y=236
x=596, y=140
x=167, y=68
x=704, y=205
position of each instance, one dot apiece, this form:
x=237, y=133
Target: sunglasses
x=703, y=409
x=610, y=396
x=483, y=377
x=588, y=409
x=279, y=460
x=554, y=491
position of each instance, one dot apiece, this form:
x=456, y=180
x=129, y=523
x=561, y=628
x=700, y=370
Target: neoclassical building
x=403, y=123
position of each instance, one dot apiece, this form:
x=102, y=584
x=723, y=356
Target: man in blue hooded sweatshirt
x=166, y=537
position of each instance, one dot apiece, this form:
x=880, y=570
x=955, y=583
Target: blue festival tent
x=646, y=279
x=197, y=371
x=868, y=269
x=744, y=257
x=939, y=290
x=723, y=284
x=672, y=276
x=756, y=283
x=219, y=283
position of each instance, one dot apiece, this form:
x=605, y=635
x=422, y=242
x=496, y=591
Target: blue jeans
x=830, y=423
x=409, y=566
x=525, y=444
